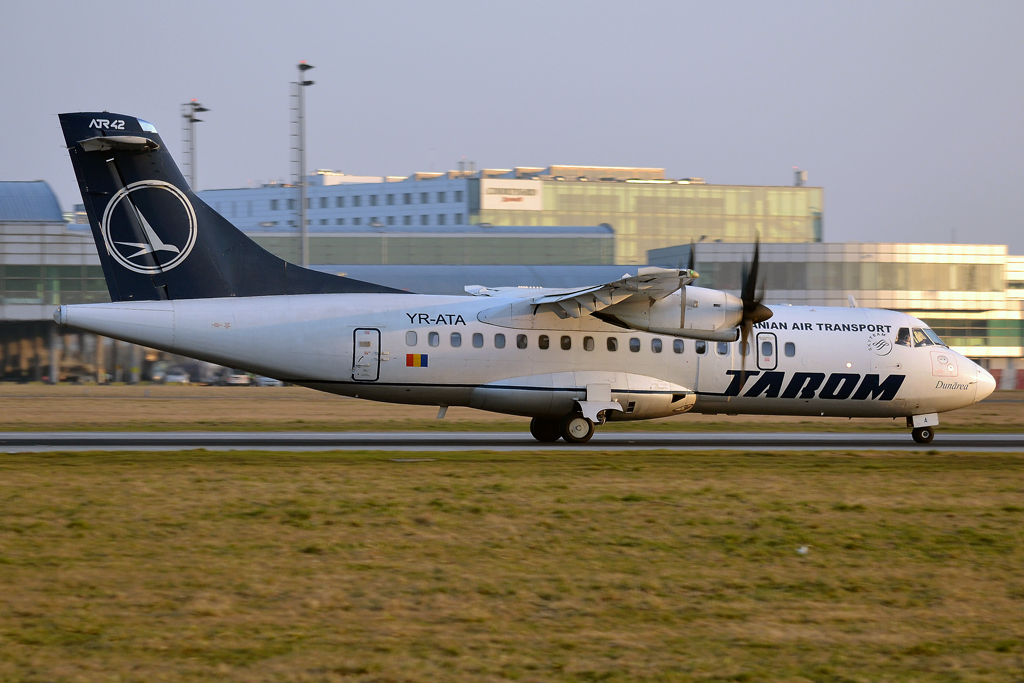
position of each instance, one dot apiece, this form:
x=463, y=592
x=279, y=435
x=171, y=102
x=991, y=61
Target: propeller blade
x=750, y=275
x=753, y=310
x=692, y=264
x=746, y=328
x=760, y=312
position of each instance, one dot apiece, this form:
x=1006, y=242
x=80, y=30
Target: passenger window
x=920, y=338
x=677, y=345
x=410, y=338
x=656, y=345
x=613, y=344
x=478, y=340
x=499, y=341
x=701, y=347
x=790, y=348
x=903, y=336
x=456, y=339
x=520, y=341
x=722, y=348
x=634, y=345
x=543, y=342
x=433, y=339
x=566, y=342
x=588, y=343
x=744, y=348
x=766, y=348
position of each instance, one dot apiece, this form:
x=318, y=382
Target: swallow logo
x=879, y=345
x=153, y=254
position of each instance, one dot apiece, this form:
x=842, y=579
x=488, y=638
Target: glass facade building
x=44, y=261
x=22, y=284
x=458, y=245
x=649, y=215
x=644, y=209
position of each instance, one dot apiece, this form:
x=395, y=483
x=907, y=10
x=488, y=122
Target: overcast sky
x=909, y=114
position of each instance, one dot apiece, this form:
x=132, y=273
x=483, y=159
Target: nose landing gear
x=923, y=434
x=923, y=427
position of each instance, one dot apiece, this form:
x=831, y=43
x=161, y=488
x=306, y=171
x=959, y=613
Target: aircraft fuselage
x=433, y=350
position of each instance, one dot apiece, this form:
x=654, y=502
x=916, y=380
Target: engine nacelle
x=691, y=312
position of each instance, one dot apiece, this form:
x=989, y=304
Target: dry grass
x=156, y=408
x=521, y=566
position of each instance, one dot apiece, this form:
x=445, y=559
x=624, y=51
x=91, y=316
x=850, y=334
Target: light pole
x=300, y=119
x=188, y=113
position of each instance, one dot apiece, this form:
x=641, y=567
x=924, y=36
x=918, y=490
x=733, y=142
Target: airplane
x=646, y=346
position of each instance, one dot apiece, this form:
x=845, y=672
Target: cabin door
x=366, y=354
x=767, y=351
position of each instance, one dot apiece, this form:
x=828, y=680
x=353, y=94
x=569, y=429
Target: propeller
x=692, y=263
x=753, y=310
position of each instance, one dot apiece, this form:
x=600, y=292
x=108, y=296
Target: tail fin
x=156, y=239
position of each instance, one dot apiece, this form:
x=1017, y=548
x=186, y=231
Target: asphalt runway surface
x=19, y=442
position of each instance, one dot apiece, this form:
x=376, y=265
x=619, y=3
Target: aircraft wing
x=649, y=284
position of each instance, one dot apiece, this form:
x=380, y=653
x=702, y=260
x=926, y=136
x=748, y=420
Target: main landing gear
x=544, y=430
x=574, y=428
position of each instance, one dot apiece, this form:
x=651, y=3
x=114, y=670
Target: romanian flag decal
x=415, y=360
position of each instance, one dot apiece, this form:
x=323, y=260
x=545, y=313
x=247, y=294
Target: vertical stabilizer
x=156, y=239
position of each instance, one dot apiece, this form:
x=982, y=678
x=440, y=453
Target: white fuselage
x=400, y=348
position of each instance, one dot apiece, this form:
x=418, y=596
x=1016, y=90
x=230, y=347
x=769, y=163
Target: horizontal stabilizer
x=129, y=143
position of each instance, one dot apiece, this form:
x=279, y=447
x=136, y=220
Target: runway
x=19, y=442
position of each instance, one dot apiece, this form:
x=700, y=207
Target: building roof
x=452, y=279
x=29, y=201
x=428, y=230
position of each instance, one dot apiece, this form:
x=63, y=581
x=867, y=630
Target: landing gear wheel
x=545, y=430
x=923, y=434
x=575, y=428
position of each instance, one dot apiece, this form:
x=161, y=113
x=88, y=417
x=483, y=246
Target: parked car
x=176, y=376
x=262, y=381
x=235, y=378
x=157, y=371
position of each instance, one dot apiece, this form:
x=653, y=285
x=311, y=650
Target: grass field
x=158, y=408
x=514, y=566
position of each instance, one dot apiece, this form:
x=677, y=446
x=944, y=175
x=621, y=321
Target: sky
x=909, y=114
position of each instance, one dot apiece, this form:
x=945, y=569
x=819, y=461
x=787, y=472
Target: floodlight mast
x=300, y=157
x=188, y=113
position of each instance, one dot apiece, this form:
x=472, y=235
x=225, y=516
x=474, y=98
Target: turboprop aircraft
x=184, y=280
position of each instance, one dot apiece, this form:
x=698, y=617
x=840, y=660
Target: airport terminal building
x=643, y=208
x=46, y=261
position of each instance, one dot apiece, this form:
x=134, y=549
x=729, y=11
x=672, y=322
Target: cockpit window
x=903, y=336
x=920, y=338
x=934, y=337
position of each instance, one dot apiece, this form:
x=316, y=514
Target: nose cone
x=986, y=385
